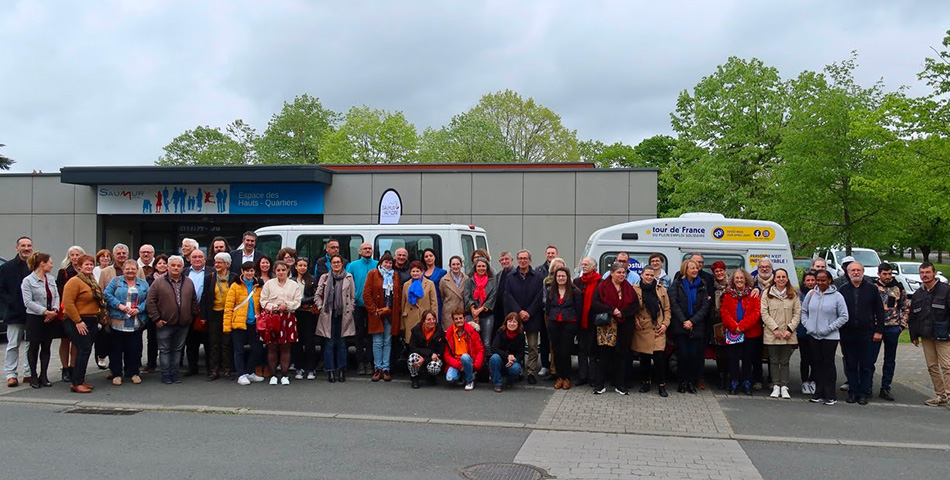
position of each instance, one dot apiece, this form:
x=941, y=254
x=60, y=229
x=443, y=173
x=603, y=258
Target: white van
x=737, y=243
x=310, y=240
x=868, y=257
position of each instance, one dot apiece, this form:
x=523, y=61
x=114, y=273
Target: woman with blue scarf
x=382, y=294
x=689, y=303
x=418, y=295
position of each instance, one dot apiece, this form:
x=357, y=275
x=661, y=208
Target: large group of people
x=263, y=319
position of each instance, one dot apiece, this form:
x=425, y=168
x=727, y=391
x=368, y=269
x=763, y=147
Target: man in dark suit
x=247, y=253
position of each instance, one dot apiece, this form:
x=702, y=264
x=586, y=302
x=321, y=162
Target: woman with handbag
x=652, y=320
x=306, y=323
x=336, y=299
x=68, y=269
x=280, y=297
x=241, y=310
x=480, y=296
x=742, y=326
x=616, y=304
x=125, y=298
x=83, y=303
x=381, y=295
x=41, y=300
x=689, y=304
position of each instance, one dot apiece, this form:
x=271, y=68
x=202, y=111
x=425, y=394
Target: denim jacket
x=117, y=293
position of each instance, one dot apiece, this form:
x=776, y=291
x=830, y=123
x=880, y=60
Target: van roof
x=372, y=228
x=695, y=228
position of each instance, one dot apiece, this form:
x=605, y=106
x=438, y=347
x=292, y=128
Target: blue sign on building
x=276, y=198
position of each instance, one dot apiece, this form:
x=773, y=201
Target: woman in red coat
x=742, y=323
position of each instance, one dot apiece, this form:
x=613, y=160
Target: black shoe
x=747, y=390
x=681, y=388
x=690, y=388
x=581, y=382
x=862, y=400
x=852, y=399
x=532, y=380
x=68, y=375
x=661, y=389
x=331, y=376
x=191, y=373
x=645, y=387
x=415, y=382
x=723, y=383
x=886, y=394
x=341, y=375
x=35, y=382
x=44, y=381
x=212, y=377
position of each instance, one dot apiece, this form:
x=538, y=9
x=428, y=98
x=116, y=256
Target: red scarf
x=481, y=281
x=511, y=334
x=614, y=299
x=590, y=280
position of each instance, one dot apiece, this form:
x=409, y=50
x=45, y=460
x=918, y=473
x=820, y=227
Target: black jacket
x=570, y=311
x=425, y=349
x=403, y=273
x=865, y=309
x=12, y=274
x=309, y=291
x=207, y=294
x=502, y=276
x=679, y=305
x=929, y=310
x=526, y=293
x=504, y=346
x=237, y=258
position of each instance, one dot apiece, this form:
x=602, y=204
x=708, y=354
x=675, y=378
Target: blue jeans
x=891, y=336
x=334, y=354
x=245, y=363
x=452, y=374
x=861, y=351
x=497, y=367
x=171, y=342
x=382, y=346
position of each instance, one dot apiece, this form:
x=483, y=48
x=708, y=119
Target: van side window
x=269, y=244
x=314, y=246
x=732, y=261
x=468, y=248
x=414, y=243
x=637, y=260
x=481, y=242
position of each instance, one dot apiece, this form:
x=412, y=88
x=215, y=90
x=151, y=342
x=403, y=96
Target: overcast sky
x=112, y=82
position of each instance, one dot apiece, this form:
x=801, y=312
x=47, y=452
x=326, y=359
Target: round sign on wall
x=390, y=207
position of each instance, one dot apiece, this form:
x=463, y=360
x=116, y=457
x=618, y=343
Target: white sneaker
x=776, y=391
x=243, y=380
x=285, y=380
x=255, y=377
x=273, y=380
x=785, y=393
x=845, y=387
x=299, y=375
x=806, y=388
x=470, y=386
x=312, y=375
x=543, y=372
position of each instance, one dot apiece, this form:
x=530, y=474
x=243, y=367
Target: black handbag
x=602, y=319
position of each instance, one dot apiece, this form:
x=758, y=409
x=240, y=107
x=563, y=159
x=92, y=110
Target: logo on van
x=743, y=234
x=718, y=233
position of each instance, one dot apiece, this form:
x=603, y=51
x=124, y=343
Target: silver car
x=908, y=273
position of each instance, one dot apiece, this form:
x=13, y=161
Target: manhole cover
x=103, y=411
x=503, y=471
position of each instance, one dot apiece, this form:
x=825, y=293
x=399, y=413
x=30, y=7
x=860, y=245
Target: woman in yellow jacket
x=241, y=308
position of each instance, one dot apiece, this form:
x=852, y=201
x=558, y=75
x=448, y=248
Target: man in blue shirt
x=196, y=273
x=360, y=268
x=633, y=277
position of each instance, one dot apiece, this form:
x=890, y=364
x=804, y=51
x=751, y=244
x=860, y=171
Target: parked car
x=3, y=310
x=908, y=273
x=868, y=257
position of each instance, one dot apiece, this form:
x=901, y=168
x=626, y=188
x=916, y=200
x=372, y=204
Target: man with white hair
x=172, y=305
x=188, y=245
x=146, y=260
x=865, y=326
x=198, y=334
x=214, y=293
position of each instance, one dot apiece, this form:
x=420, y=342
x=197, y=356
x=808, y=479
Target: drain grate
x=103, y=411
x=503, y=471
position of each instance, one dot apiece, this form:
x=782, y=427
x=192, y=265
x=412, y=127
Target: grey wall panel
x=543, y=230
x=446, y=193
x=642, y=194
x=460, y=218
x=350, y=194
x=17, y=194
x=14, y=227
x=504, y=233
x=85, y=231
x=602, y=193
x=409, y=186
x=549, y=193
x=497, y=193
x=347, y=219
x=52, y=196
x=85, y=199
x=53, y=234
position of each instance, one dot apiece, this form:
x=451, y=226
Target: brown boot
x=80, y=389
x=386, y=376
x=377, y=374
x=566, y=384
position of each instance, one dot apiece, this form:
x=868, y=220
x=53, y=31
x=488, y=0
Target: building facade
x=519, y=205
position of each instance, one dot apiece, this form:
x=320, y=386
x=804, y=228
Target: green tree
x=295, y=134
x=729, y=129
x=371, y=136
x=657, y=152
x=532, y=131
x=615, y=155
x=210, y=146
x=834, y=185
x=468, y=138
x=5, y=161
